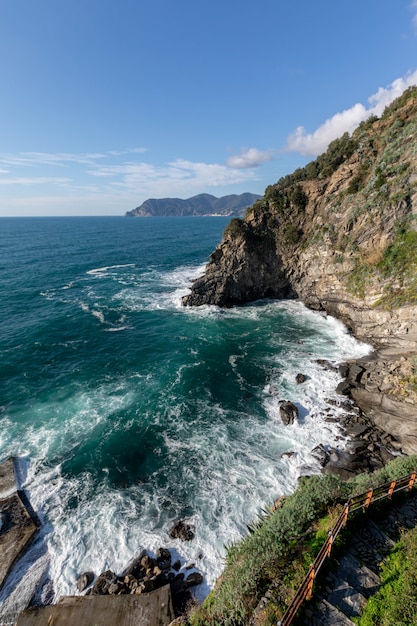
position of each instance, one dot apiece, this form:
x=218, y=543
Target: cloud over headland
x=346, y=121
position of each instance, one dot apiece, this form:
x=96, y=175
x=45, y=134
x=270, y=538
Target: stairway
x=352, y=575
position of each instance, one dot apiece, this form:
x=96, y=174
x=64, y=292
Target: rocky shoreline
x=145, y=574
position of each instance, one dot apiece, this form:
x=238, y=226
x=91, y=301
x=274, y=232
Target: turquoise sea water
x=128, y=411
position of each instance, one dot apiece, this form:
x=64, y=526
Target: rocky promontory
x=200, y=205
x=341, y=235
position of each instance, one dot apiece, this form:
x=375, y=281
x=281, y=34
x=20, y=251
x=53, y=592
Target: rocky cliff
x=341, y=235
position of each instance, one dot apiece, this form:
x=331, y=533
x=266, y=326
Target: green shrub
x=395, y=604
x=235, y=227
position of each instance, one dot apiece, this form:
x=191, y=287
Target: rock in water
x=181, y=530
x=84, y=580
x=288, y=412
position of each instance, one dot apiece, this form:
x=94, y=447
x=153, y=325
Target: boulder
x=193, y=579
x=343, y=388
x=300, y=378
x=288, y=412
x=321, y=454
x=163, y=559
x=181, y=530
x=107, y=580
x=84, y=580
x=135, y=568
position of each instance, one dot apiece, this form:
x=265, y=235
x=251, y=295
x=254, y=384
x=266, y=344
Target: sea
x=127, y=411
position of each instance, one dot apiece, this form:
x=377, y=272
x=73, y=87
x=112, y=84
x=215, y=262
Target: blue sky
x=106, y=103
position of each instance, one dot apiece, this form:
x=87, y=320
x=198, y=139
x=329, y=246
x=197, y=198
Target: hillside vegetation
x=281, y=545
x=357, y=201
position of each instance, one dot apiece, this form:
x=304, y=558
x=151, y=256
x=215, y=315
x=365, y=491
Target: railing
x=363, y=501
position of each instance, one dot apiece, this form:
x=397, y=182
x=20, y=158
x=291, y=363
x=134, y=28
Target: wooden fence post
x=329, y=543
x=368, y=498
x=411, y=481
x=311, y=576
x=345, y=514
x=391, y=488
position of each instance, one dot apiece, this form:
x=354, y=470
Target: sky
x=106, y=103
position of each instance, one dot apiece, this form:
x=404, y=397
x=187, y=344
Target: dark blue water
x=129, y=411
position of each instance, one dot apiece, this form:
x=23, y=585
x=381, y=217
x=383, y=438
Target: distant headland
x=200, y=205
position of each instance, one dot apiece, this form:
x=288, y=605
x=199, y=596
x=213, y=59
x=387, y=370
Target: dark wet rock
x=355, y=372
x=343, y=370
x=356, y=430
x=176, y=566
x=288, y=412
x=18, y=523
x=147, y=563
x=343, y=388
x=193, y=579
x=325, y=364
x=163, y=558
x=385, y=455
x=135, y=568
x=84, y=581
x=104, y=582
x=300, y=378
x=182, y=530
x=321, y=454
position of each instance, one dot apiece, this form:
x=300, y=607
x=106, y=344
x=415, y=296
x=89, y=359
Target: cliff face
x=340, y=234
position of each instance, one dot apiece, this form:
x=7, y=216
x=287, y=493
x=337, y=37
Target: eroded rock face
x=322, y=238
x=242, y=269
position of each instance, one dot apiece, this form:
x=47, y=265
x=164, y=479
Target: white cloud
x=35, y=180
x=111, y=185
x=61, y=158
x=250, y=158
x=315, y=143
x=176, y=175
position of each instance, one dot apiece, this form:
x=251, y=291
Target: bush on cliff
x=235, y=227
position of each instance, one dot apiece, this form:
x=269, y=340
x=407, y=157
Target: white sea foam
x=102, y=270
x=236, y=462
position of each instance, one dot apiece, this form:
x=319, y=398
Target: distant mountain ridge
x=202, y=204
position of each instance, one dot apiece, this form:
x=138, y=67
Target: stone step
x=346, y=598
x=370, y=544
x=357, y=575
x=324, y=614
